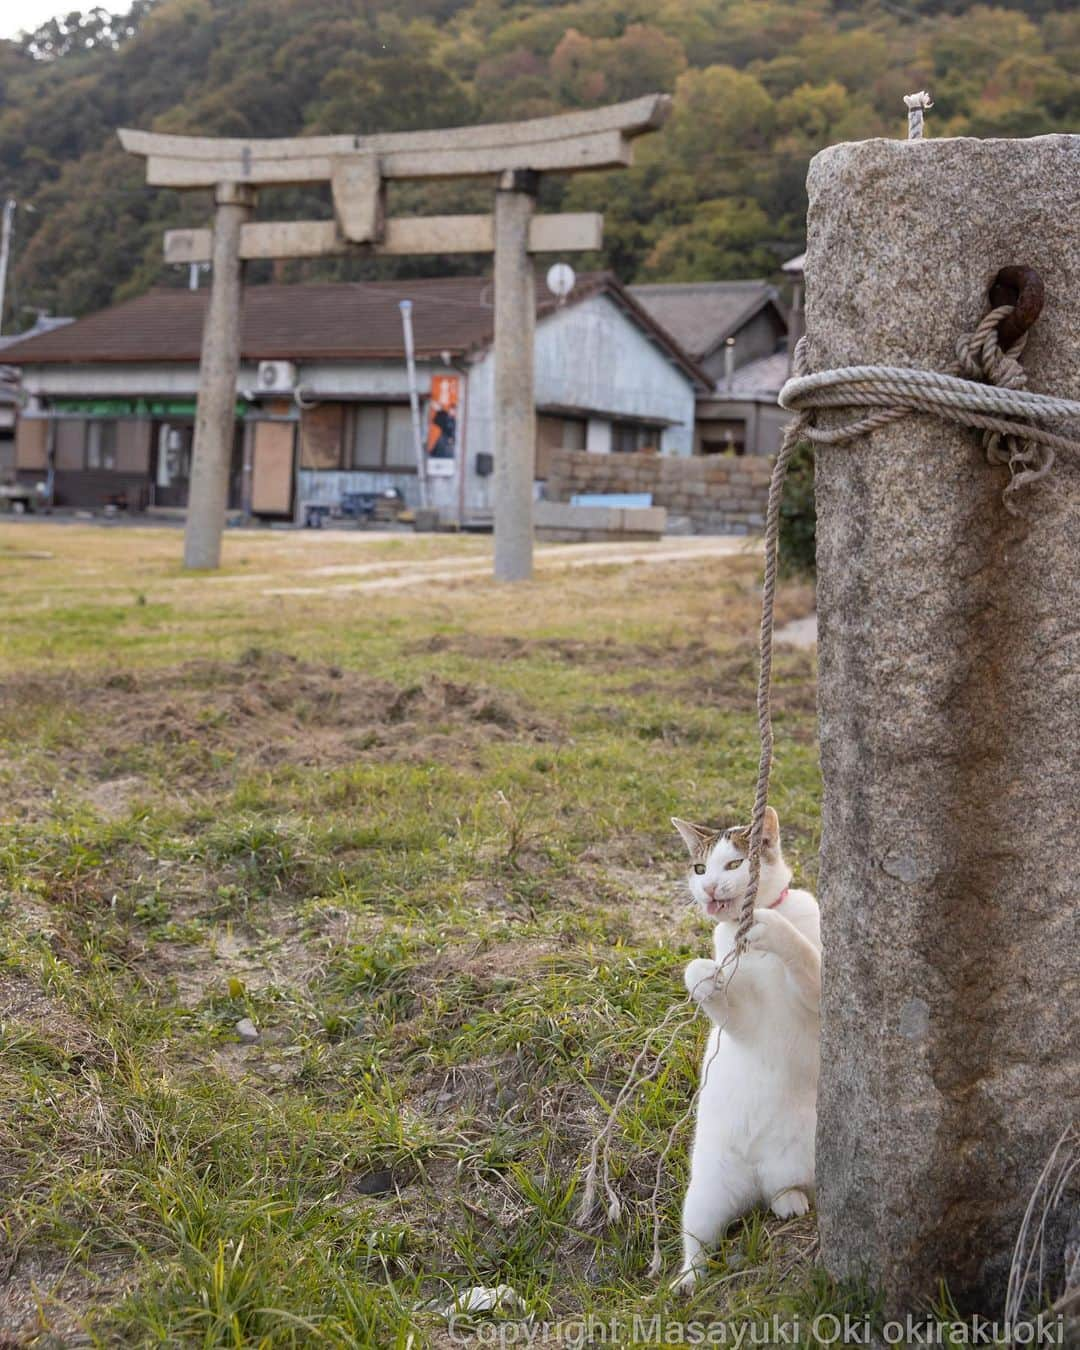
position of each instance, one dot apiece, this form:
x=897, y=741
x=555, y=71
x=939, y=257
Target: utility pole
x=414, y=403
x=5, y=251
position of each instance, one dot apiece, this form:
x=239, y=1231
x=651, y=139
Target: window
x=369, y=429
x=322, y=435
x=400, y=442
x=173, y=456
x=100, y=445
x=85, y=443
x=628, y=438
x=382, y=438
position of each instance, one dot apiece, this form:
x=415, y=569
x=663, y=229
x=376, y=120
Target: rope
x=915, y=104
x=984, y=388
x=764, y=710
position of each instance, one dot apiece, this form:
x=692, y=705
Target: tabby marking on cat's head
x=719, y=871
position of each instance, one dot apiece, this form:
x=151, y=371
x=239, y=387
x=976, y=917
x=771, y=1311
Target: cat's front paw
x=767, y=932
x=700, y=977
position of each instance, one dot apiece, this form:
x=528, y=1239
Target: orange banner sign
x=443, y=424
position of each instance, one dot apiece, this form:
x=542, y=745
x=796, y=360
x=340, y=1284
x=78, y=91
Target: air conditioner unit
x=276, y=377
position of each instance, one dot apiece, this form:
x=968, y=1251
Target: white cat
x=754, y=1141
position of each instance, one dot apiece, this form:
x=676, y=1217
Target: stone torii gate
x=514, y=154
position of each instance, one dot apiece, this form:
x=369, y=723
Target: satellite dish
x=560, y=280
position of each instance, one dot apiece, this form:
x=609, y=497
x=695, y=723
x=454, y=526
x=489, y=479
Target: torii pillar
x=514, y=154
x=515, y=399
x=219, y=366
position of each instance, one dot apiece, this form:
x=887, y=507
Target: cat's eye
x=731, y=866
x=699, y=868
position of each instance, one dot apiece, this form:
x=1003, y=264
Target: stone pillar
x=215, y=417
x=515, y=403
x=950, y=729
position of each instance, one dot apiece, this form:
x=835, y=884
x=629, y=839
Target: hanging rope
x=764, y=707
x=984, y=388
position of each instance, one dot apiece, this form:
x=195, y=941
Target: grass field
x=415, y=828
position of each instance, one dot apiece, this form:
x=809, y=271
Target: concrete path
x=432, y=571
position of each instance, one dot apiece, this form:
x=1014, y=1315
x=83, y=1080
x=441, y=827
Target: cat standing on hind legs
x=757, y=1109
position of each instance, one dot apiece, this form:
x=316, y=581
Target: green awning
x=131, y=407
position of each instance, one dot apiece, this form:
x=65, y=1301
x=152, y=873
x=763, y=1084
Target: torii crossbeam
x=514, y=154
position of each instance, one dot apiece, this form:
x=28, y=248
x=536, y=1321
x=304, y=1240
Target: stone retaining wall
x=719, y=494
x=563, y=523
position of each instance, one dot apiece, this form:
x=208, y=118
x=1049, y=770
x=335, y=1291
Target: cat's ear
x=770, y=837
x=695, y=837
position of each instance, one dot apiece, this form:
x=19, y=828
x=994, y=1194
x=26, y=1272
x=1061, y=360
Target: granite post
x=950, y=730
x=215, y=417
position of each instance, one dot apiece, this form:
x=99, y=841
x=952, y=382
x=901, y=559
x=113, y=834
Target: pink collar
x=781, y=897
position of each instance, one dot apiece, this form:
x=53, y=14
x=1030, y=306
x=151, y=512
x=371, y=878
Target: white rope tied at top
x=916, y=104
x=985, y=388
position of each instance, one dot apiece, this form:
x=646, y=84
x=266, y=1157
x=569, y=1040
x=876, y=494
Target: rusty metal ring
x=1021, y=287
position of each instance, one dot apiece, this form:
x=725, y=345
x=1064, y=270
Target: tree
x=726, y=238
x=759, y=86
x=596, y=70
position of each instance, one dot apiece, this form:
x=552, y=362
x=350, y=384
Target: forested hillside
x=759, y=86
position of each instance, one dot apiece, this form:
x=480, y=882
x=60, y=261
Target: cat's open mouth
x=714, y=908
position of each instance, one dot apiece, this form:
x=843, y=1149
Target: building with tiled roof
x=721, y=324
x=322, y=396
x=741, y=334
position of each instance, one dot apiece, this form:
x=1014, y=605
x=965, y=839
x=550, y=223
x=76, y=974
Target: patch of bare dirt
x=287, y=950
x=607, y=654
x=725, y=685
x=727, y=682
x=737, y=615
x=24, y=1006
x=45, y=1296
x=210, y=718
x=115, y=796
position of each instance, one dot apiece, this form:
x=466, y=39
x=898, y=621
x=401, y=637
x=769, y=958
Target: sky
x=15, y=15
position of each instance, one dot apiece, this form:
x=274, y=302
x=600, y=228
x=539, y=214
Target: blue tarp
x=621, y=500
